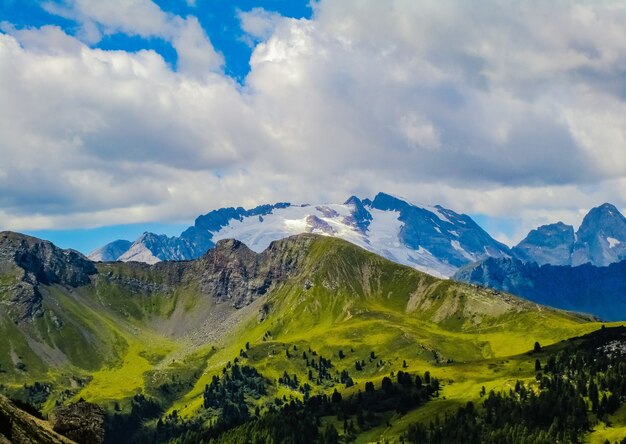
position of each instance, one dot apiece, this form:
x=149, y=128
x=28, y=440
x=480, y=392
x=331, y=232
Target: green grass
x=123, y=343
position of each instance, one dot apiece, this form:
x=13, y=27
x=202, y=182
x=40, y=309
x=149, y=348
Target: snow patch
x=612, y=242
x=437, y=212
x=457, y=246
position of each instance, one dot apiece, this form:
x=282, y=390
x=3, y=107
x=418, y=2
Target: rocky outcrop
x=82, y=422
x=19, y=427
x=234, y=273
x=27, y=262
x=47, y=263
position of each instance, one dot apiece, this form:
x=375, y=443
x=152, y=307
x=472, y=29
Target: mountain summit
x=600, y=241
x=430, y=238
x=601, y=238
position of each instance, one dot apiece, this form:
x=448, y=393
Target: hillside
x=152, y=338
x=19, y=427
x=600, y=291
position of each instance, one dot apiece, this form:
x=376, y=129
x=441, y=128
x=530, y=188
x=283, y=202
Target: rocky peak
x=387, y=202
x=110, y=252
x=26, y=263
x=601, y=238
x=360, y=217
x=234, y=273
x=548, y=244
x=46, y=262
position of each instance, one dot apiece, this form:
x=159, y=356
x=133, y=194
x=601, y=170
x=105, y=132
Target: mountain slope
x=17, y=426
x=133, y=334
x=586, y=288
x=431, y=239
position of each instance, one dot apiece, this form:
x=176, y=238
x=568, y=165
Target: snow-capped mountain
x=431, y=239
x=600, y=241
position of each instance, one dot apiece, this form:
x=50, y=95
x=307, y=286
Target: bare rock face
x=27, y=262
x=234, y=273
x=81, y=422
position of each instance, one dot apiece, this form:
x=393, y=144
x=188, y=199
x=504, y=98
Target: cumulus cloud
x=258, y=24
x=512, y=110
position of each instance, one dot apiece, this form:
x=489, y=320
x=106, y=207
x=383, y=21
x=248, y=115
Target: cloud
x=510, y=110
x=144, y=18
x=258, y=23
x=133, y=17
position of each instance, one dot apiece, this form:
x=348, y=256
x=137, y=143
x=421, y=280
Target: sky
x=123, y=116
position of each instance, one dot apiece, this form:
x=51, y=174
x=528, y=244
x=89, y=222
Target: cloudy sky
x=133, y=114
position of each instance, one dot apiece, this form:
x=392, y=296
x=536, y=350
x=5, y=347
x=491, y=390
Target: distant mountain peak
x=600, y=240
x=548, y=244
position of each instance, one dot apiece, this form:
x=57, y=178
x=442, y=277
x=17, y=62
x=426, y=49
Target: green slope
x=158, y=330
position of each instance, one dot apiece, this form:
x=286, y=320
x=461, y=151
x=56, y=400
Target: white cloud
x=259, y=23
x=133, y=17
x=196, y=56
x=512, y=110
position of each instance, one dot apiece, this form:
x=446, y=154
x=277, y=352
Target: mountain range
x=585, y=288
x=600, y=241
x=432, y=239
x=582, y=271
x=309, y=316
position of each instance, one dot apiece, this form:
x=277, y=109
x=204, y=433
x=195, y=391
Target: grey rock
x=82, y=422
x=601, y=238
x=27, y=262
x=234, y=273
x=548, y=244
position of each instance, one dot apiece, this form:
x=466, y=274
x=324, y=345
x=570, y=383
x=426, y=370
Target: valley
x=165, y=331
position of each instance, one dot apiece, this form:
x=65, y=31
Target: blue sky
x=121, y=116
x=218, y=18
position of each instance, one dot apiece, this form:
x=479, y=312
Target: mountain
x=586, y=288
x=431, y=239
x=600, y=241
x=111, y=251
x=307, y=316
x=601, y=238
x=548, y=244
